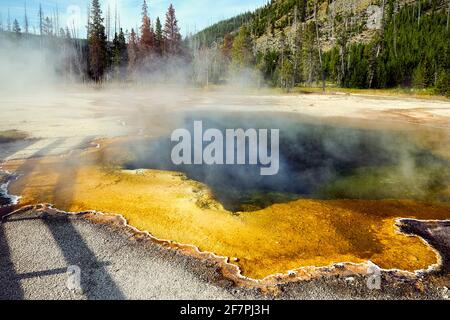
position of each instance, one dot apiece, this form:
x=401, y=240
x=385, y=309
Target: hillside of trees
x=319, y=42
x=275, y=14
x=408, y=52
x=217, y=31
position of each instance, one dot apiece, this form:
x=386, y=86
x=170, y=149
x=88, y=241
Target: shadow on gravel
x=10, y=288
x=44, y=273
x=96, y=283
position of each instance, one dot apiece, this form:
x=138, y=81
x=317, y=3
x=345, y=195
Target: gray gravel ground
x=35, y=255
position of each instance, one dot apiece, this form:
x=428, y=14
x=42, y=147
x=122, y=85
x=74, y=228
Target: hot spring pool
x=337, y=197
x=319, y=161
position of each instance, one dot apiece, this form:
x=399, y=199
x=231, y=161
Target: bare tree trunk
x=295, y=17
x=26, y=19
x=342, y=75
x=395, y=28
x=88, y=20
x=343, y=51
x=282, y=65
x=448, y=14
x=40, y=19
x=108, y=22
x=418, y=17
x=317, y=33
x=115, y=19
x=373, y=65
x=310, y=66
x=318, y=46
x=333, y=16
x=57, y=19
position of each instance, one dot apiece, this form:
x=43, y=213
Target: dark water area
x=5, y=200
x=316, y=161
x=436, y=233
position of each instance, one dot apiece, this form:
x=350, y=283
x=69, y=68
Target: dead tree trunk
x=322, y=71
x=395, y=27
x=418, y=16
x=448, y=14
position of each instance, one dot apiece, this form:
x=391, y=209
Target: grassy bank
x=392, y=92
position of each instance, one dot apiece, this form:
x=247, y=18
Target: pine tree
x=267, y=63
x=67, y=31
x=97, y=43
x=120, y=54
x=443, y=73
x=227, y=47
x=287, y=74
x=41, y=20
x=171, y=32
x=159, y=38
x=62, y=33
x=47, y=27
x=147, y=36
x=133, y=52
x=16, y=27
x=242, y=52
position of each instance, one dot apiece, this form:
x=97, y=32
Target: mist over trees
x=124, y=56
x=307, y=43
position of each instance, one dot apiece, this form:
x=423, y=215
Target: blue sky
x=192, y=14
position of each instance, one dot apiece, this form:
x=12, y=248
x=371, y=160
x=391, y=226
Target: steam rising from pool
x=316, y=161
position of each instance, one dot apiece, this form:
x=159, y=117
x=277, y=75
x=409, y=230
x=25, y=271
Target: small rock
x=445, y=293
x=292, y=273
